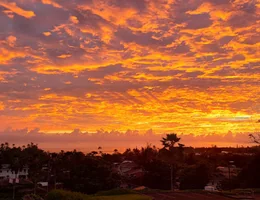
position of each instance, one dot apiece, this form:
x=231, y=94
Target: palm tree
x=100, y=151
x=168, y=150
x=170, y=140
x=115, y=151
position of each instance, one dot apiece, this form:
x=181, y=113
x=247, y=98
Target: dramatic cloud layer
x=109, y=141
x=188, y=66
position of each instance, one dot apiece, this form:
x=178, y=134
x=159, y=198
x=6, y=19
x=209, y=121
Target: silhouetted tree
x=195, y=176
x=170, y=153
x=250, y=175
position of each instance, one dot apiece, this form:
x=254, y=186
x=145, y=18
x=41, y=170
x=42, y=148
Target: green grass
x=152, y=191
x=115, y=192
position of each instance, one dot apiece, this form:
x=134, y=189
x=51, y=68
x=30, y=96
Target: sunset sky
x=184, y=66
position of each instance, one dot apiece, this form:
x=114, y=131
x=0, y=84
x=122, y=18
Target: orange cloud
x=51, y=2
x=11, y=40
x=2, y=106
x=47, y=33
x=64, y=56
x=74, y=19
x=185, y=67
x=14, y=8
x=6, y=56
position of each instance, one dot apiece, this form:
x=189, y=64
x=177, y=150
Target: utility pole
x=14, y=180
x=229, y=181
x=171, y=177
x=55, y=179
x=229, y=174
x=13, y=189
x=49, y=171
x=48, y=176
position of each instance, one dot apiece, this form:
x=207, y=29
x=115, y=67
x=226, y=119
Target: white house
x=211, y=188
x=7, y=173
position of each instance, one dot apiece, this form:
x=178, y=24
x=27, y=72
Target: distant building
x=211, y=188
x=129, y=169
x=221, y=174
x=7, y=173
x=43, y=184
x=224, y=152
x=231, y=171
x=45, y=168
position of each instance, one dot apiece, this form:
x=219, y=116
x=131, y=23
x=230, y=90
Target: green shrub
x=32, y=197
x=65, y=195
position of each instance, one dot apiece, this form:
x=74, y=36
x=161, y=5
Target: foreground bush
x=32, y=197
x=65, y=195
